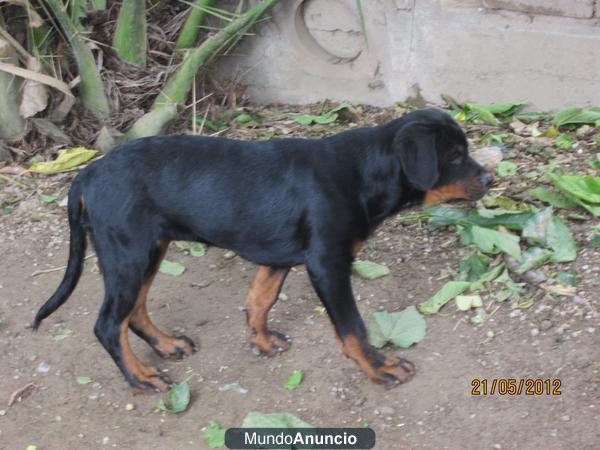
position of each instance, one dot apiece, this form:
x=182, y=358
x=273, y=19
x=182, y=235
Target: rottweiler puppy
x=277, y=203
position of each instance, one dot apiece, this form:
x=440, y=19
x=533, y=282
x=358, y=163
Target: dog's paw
x=176, y=347
x=270, y=344
x=395, y=371
x=153, y=381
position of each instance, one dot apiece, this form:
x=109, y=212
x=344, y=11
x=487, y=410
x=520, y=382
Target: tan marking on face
x=443, y=194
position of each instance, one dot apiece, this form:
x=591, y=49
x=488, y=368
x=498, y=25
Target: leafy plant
x=171, y=268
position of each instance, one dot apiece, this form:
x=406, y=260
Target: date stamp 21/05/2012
x=513, y=386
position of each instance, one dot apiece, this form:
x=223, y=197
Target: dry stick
x=10, y=180
x=15, y=395
x=56, y=269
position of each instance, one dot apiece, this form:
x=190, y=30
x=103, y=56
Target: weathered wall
x=544, y=51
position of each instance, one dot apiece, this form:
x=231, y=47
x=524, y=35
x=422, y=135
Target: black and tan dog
x=278, y=204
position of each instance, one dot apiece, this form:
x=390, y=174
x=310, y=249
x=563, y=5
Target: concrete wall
x=543, y=51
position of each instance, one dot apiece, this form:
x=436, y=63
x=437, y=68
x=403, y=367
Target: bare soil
x=557, y=338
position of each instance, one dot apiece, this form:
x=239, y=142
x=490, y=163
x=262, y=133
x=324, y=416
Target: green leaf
x=402, y=329
x=294, y=380
x=171, y=268
x=194, y=248
x=550, y=231
x=177, y=399
x=583, y=187
x=466, y=302
x=67, y=159
x=31, y=447
x=369, y=269
x=450, y=290
x=303, y=119
x=553, y=198
x=482, y=113
x=256, y=419
x=562, y=117
x=506, y=169
x=62, y=333
x=564, y=141
x=568, y=278
x=474, y=266
x=490, y=241
x=48, y=198
x=560, y=240
x=441, y=216
x=84, y=380
x=498, y=109
x=505, y=203
x=532, y=258
x=243, y=118
x=214, y=435
x=595, y=241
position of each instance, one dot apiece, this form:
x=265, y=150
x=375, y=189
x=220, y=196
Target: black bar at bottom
x=299, y=438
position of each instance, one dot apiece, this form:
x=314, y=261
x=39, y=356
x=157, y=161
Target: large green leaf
x=450, y=290
x=441, y=216
x=402, y=329
x=583, y=187
x=491, y=241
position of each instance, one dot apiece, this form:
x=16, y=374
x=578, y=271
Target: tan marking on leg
x=142, y=374
x=259, y=301
x=399, y=369
x=357, y=247
x=165, y=345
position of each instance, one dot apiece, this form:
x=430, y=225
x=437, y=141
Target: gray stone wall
x=543, y=51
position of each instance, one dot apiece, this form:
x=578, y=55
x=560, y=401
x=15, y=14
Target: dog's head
x=435, y=159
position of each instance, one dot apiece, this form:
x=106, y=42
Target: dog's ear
x=415, y=145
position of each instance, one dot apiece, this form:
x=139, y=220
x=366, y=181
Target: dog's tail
x=76, y=255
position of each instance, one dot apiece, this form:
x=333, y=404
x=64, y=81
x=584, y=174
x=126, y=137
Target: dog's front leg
x=330, y=276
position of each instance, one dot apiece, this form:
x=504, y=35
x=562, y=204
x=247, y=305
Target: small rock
x=229, y=254
x=284, y=297
x=2, y=412
x=105, y=440
x=490, y=334
x=488, y=157
x=387, y=411
x=129, y=407
x=43, y=367
x=565, y=418
x=534, y=332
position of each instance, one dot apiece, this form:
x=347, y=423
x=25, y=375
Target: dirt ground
x=554, y=339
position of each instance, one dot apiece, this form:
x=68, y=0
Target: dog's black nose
x=486, y=179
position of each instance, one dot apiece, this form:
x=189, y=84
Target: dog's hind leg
x=124, y=268
x=174, y=347
x=263, y=294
